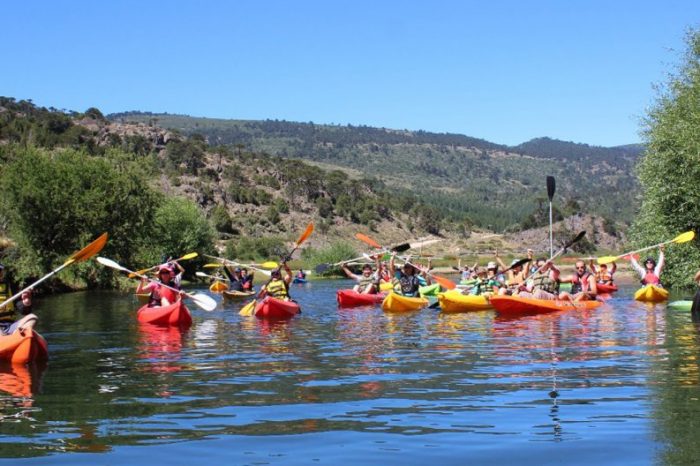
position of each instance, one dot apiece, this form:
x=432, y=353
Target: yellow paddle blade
x=88, y=251
x=606, y=260
x=248, y=309
x=212, y=266
x=189, y=256
x=269, y=265
x=684, y=237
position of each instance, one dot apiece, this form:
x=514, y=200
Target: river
x=616, y=385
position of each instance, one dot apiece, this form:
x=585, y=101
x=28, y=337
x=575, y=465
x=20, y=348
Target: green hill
x=489, y=185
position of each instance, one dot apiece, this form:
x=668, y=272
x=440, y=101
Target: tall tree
x=669, y=172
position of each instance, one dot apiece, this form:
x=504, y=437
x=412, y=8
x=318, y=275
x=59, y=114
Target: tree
x=670, y=169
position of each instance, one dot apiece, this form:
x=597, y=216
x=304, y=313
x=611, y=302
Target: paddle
x=320, y=268
x=238, y=264
x=304, y=236
x=204, y=275
x=682, y=238
x=205, y=302
x=187, y=256
x=248, y=309
x=551, y=185
x=561, y=251
x=84, y=254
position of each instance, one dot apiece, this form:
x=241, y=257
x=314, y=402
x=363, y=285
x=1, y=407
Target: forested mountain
x=465, y=178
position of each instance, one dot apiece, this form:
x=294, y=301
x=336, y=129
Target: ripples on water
x=618, y=384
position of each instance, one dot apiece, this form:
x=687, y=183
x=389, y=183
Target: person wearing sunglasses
x=650, y=274
x=583, y=284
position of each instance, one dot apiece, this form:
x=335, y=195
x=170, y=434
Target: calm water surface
x=617, y=385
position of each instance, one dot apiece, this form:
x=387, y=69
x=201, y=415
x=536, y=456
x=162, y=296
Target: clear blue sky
x=505, y=71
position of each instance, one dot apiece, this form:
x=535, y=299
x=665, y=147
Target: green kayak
x=681, y=305
x=429, y=290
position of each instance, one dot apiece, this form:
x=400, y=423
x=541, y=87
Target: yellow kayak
x=218, y=287
x=397, y=303
x=454, y=301
x=651, y=294
x=386, y=286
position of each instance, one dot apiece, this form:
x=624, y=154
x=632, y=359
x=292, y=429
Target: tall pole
x=551, y=185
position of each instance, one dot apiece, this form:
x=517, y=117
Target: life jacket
x=545, y=283
x=7, y=313
x=603, y=277
x=651, y=279
x=364, y=282
x=235, y=285
x=247, y=283
x=580, y=284
x=409, y=285
x=160, y=292
x=277, y=289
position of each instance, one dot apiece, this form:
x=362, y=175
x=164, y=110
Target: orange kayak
x=218, y=287
x=514, y=305
x=22, y=347
x=273, y=308
x=175, y=314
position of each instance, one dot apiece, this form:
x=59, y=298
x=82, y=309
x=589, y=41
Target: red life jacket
x=580, y=284
x=650, y=279
x=160, y=292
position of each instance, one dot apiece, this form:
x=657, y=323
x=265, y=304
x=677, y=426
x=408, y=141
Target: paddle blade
x=90, y=250
x=189, y=256
x=520, y=263
x=551, y=185
x=304, y=236
x=248, y=309
x=202, y=274
x=139, y=272
x=576, y=239
x=111, y=264
x=367, y=240
x=606, y=260
x=320, y=268
x=212, y=266
x=203, y=301
x=401, y=247
x=269, y=265
x=684, y=237
x=444, y=282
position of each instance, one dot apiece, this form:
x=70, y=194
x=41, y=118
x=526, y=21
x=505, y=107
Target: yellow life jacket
x=277, y=289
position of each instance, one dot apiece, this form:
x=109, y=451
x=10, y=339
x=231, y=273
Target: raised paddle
x=576, y=239
x=238, y=264
x=682, y=238
x=205, y=302
x=188, y=256
x=205, y=275
x=551, y=185
x=84, y=254
x=304, y=236
x=320, y=268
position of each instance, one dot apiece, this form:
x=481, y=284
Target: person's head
x=237, y=270
x=603, y=267
x=408, y=269
x=276, y=274
x=165, y=273
x=244, y=272
x=481, y=272
x=649, y=263
x=366, y=270
x=491, y=268
x=580, y=267
x=515, y=268
x=541, y=261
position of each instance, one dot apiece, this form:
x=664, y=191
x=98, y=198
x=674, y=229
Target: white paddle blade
x=205, y=302
x=111, y=264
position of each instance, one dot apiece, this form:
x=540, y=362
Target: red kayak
x=605, y=288
x=351, y=298
x=22, y=347
x=273, y=308
x=175, y=314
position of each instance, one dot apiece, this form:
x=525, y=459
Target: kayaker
x=9, y=312
x=602, y=274
x=177, y=277
x=235, y=279
x=367, y=282
x=515, y=276
x=650, y=274
x=301, y=275
x=544, y=284
x=583, y=284
x=160, y=295
x=407, y=278
x=247, y=279
x=277, y=287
